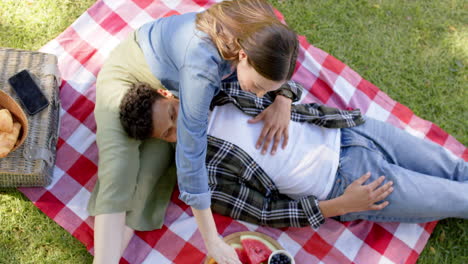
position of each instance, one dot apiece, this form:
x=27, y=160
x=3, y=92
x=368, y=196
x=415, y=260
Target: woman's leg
x=152, y=189
x=416, y=197
x=155, y=183
x=127, y=236
x=415, y=154
x=111, y=237
x=120, y=170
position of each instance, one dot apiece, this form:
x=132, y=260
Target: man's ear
x=165, y=93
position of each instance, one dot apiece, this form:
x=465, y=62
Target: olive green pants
x=136, y=177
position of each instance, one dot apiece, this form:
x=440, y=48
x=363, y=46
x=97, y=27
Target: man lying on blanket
x=333, y=165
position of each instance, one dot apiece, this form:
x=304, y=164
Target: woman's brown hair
x=251, y=25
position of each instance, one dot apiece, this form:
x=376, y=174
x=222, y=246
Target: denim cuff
x=199, y=201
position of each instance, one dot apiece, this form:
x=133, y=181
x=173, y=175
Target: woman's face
x=251, y=81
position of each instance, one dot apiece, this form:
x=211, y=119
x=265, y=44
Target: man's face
x=165, y=112
x=251, y=81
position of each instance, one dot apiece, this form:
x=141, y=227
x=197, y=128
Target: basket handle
x=30, y=153
x=52, y=69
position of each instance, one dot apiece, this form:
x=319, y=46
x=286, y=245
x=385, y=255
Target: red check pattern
x=82, y=49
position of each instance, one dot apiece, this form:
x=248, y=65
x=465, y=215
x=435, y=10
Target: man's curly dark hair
x=136, y=110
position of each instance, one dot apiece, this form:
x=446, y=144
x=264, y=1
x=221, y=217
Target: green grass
x=29, y=236
x=26, y=234
x=416, y=51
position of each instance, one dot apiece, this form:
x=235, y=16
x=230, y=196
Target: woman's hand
x=276, y=119
x=222, y=252
x=217, y=248
x=359, y=197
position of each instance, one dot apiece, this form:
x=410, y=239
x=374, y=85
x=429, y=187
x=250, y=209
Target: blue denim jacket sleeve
x=186, y=63
x=198, y=85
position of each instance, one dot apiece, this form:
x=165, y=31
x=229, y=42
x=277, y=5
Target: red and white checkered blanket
x=82, y=49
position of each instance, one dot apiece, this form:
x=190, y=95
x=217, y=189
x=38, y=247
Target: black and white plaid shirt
x=240, y=188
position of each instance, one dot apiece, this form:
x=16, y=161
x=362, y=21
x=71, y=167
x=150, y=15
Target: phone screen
x=28, y=92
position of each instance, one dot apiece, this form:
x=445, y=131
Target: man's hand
x=359, y=197
x=222, y=252
x=276, y=119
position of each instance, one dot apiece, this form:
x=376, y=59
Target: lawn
x=416, y=51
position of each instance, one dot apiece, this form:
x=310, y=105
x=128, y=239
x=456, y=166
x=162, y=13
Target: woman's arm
x=277, y=116
x=199, y=82
x=276, y=119
x=289, y=89
x=217, y=248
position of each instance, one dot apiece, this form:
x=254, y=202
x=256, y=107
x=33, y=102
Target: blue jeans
x=429, y=183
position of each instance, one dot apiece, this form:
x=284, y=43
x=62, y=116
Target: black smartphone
x=28, y=92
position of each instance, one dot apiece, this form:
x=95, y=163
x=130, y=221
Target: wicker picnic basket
x=32, y=163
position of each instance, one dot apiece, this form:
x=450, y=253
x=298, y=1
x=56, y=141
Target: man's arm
x=256, y=207
x=248, y=204
x=358, y=197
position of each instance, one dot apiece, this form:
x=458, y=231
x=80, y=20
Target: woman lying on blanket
x=324, y=170
x=189, y=54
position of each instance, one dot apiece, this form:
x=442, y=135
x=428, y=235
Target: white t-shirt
x=306, y=167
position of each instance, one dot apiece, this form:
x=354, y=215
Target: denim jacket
x=187, y=63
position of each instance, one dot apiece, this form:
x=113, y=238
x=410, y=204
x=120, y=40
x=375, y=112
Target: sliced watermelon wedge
x=258, y=249
x=241, y=253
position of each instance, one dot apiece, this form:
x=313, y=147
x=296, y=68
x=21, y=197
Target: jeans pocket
x=340, y=183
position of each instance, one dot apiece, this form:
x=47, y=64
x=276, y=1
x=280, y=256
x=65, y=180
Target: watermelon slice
x=241, y=253
x=258, y=249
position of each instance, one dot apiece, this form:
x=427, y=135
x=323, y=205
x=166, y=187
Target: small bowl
x=7, y=102
x=284, y=252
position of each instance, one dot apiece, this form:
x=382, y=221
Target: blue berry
x=280, y=259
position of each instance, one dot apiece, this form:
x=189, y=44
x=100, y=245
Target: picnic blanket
x=81, y=51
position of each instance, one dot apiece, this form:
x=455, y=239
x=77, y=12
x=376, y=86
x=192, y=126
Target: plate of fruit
x=251, y=247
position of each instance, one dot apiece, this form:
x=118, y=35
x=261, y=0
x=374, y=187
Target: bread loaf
x=8, y=140
x=6, y=121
